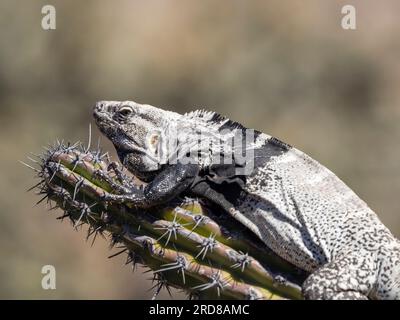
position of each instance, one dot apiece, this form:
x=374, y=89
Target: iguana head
x=136, y=132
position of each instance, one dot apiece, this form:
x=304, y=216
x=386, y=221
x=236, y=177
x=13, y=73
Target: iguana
x=296, y=206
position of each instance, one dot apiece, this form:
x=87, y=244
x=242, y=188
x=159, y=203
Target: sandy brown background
x=283, y=67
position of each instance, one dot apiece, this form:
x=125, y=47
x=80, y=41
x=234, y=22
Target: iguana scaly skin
x=296, y=206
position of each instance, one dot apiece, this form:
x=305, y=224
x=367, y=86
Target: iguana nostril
x=98, y=110
x=99, y=106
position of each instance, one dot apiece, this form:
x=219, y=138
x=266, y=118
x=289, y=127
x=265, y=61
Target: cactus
x=186, y=244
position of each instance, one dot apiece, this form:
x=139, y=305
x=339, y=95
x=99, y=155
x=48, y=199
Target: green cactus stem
x=185, y=244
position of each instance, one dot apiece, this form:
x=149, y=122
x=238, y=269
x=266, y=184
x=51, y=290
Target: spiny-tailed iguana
x=296, y=206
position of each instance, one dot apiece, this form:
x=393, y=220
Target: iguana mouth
x=103, y=122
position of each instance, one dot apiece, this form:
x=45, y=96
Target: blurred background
x=283, y=67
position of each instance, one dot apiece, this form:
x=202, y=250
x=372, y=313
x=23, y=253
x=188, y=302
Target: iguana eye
x=125, y=111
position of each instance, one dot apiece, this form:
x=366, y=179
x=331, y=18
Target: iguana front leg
x=123, y=188
x=168, y=184
x=349, y=277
